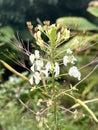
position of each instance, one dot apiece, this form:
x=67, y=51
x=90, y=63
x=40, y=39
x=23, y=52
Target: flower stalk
x=54, y=92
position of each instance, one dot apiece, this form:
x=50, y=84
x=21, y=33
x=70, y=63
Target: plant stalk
x=54, y=92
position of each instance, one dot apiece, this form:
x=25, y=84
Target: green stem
x=54, y=98
x=54, y=92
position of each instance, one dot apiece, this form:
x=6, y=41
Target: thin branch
x=26, y=106
x=86, y=76
x=88, y=101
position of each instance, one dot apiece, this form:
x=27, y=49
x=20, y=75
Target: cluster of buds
x=55, y=33
x=30, y=27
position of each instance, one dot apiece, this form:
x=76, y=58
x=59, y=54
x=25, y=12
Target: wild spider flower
x=56, y=35
x=65, y=60
x=48, y=66
x=32, y=68
x=68, y=58
x=32, y=57
x=56, y=69
x=35, y=78
x=45, y=72
x=31, y=80
x=69, y=51
x=73, y=71
x=37, y=54
x=73, y=59
x=39, y=64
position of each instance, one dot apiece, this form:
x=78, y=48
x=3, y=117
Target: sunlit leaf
x=13, y=70
x=77, y=23
x=77, y=43
x=93, y=11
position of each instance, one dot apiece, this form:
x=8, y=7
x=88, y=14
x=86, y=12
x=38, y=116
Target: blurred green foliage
x=78, y=23
x=93, y=11
x=87, y=34
x=16, y=13
x=14, y=115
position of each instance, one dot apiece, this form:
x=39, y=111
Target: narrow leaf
x=13, y=70
x=77, y=23
x=87, y=109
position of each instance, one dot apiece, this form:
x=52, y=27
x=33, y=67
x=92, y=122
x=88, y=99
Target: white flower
x=32, y=68
x=69, y=51
x=57, y=69
x=37, y=77
x=45, y=72
x=37, y=54
x=39, y=64
x=48, y=66
x=31, y=81
x=65, y=60
x=73, y=71
x=32, y=57
x=49, y=103
x=73, y=59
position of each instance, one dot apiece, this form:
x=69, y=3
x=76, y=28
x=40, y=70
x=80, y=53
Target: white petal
x=32, y=68
x=48, y=66
x=31, y=81
x=73, y=71
x=37, y=54
x=37, y=81
x=37, y=77
x=32, y=57
x=39, y=64
x=73, y=59
x=69, y=51
x=57, y=69
x=65, y=60
x=45, y=72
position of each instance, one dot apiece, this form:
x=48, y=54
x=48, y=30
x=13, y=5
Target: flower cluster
x=40, y=66
x=70, y=58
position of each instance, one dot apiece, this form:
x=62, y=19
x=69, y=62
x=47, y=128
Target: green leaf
x=6, y=33
x=7, y=30
x=93, y=11
x=81, y=42
x=25, y=35
x=13, y=70
x=77, y=23
x=87, y=109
